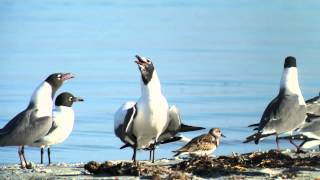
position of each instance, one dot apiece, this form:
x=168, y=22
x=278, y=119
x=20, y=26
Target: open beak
x=141, y=60
x=223, y=136
x=77, y=99
x=67, y=76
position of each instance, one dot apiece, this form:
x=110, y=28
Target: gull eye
x=70, y=98
x=59, y=76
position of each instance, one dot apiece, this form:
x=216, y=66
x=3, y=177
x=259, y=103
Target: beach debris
x=228, y=165
x=249, y=164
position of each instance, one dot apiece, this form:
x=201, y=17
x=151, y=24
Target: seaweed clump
x=239, y=164
x=128, y=169
x=213, y=167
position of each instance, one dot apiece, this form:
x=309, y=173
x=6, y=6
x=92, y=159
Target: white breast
x=151, y=120
x=290, y=82
x=42, y=99
x=64, y=119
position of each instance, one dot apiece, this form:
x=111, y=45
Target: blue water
x=219, y=62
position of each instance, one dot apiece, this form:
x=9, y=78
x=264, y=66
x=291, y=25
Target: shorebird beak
x=223, y=136
x=67, y=76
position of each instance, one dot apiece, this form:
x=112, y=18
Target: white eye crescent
x=70, y=98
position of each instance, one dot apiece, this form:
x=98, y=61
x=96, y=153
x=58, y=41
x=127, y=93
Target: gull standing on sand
x=63, y=120
x=36, y=120
x=141, y=123
x=202, y=145
x=287, y=111
x=172, y=132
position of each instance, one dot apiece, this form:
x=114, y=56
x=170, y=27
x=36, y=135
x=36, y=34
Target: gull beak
x=77, y=99
x=67, y=76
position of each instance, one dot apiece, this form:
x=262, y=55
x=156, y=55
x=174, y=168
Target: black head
x=290, y=61
x=146, y=68
x=57, y=79
x=66, y=99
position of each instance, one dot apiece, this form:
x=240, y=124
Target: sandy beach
x=255, y=165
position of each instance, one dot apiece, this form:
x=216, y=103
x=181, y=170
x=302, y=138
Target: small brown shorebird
x=202, y=145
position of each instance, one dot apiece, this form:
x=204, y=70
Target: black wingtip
x=255, y=137
x=174, y=139
x=254, y=125
x=177, y=153
x=125, y=146
x=187, y=128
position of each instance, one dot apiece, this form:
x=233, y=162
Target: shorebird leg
x=21, y=156
x=49, y=157
x=41, y=151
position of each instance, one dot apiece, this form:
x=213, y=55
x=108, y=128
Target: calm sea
x=219, y=62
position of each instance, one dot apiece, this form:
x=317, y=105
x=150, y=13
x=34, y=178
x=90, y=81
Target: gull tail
x=187, y=128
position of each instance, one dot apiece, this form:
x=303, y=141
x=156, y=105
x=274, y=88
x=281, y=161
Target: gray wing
x=313, y=108
x=173, y=126
x=123, y=124
x=313, y=105
x=312, y=126
x=24, y=128
x=287, y=115
x=54, y=126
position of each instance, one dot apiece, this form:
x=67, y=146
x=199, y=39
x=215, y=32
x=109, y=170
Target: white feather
x=152, y=114
x=42, y=99
x=64, y=119
x=290, y=82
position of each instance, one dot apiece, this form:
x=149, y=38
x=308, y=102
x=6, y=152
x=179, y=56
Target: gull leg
x=150, y=154
x=297, y=147
x=22, y=160
x=277, y=142
x=24, y=157
x=41, y=150
x=153, y=153
x=49, y=157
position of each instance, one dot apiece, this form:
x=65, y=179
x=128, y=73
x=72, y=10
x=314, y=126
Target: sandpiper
x=202, y=145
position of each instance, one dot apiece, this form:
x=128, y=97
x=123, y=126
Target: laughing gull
x=287, y=111
x=36, y=120
x=63, y=120
x=172, y=132
x=141, y=123
x=202, y=145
